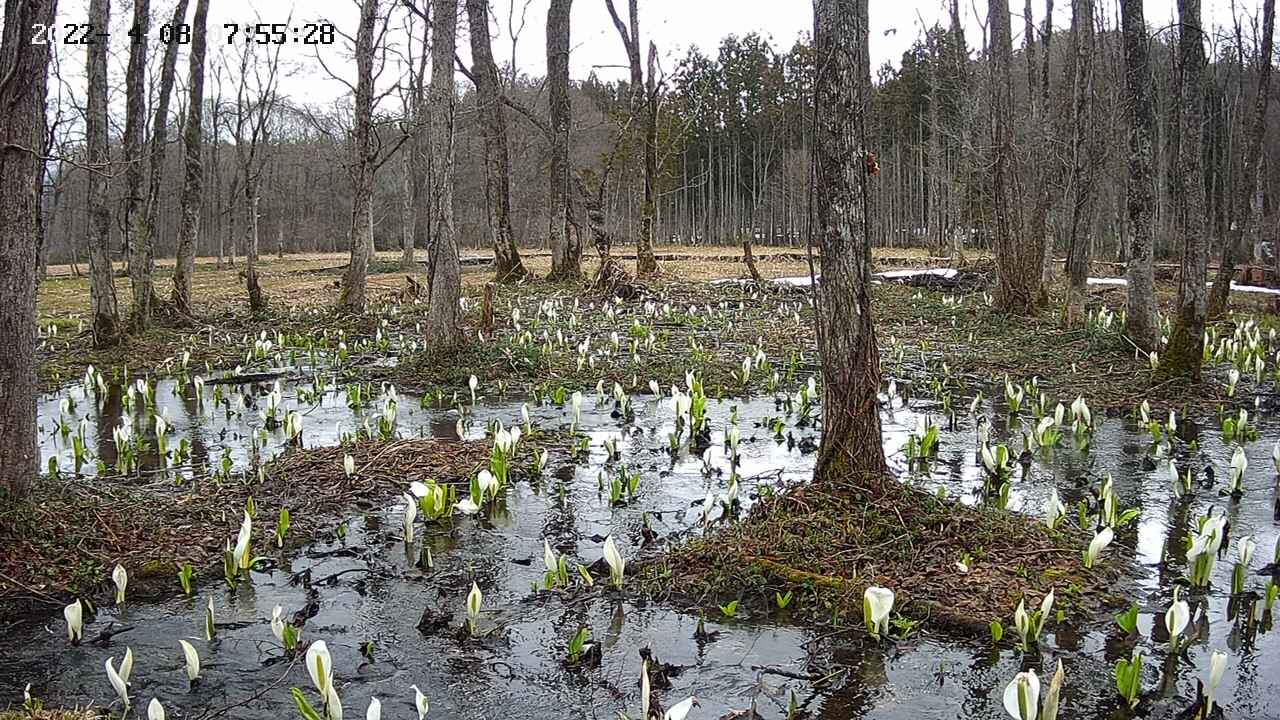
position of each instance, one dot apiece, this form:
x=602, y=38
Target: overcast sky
x=675, y=25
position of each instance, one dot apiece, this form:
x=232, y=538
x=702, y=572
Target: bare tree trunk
x=408, y=207
x=646, y=263
x=102, y=289
x=444, y=269
x=192, y=199
x=1083, y=159
x=643, y=100
x=497, y=163
x=851, y=441
x=1140, y=317
x=355, y=281
x=1184, y=354
x=24, y=67
x=257, y=299
x=159, y=139
x=1018, y=261
x=566, y=246
x=141, y=254
x=1248, y=196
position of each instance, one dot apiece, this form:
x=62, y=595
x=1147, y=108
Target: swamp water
x=380, y=589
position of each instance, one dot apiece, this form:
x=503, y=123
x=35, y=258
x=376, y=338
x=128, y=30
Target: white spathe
x=1022, y=696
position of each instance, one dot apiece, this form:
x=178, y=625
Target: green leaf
x=304, y=707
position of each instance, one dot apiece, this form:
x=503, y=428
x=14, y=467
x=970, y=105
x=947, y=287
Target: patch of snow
x=1235, y=286
x=944, y=273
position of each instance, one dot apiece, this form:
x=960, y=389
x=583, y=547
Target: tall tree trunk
x=444, y=268
x=102, y=289
x=643, y=101
x=1241, y=238
x=1083, y=159
x=646, y=263
x=1141, y=323
x=192, y=198
x=355, y=281
x=24, y=67
x=159, y=139
x=1018, y=262
x=408, y=207
x=497, y=163
x=851, y=441
x=141, y=254
x=257, y=298
x=566, y=246
x=1184, y=355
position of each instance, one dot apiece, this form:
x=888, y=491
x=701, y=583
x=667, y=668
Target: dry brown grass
x=71, y=532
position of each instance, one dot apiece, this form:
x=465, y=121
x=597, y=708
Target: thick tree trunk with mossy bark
x=444, y=269
x=1184, y=355
x=1141, y=324
x=851, y=440
x=497, y=162
x=1083, y=160
x=355, y=280
x=106, y=324
x=1018, y=261
x=192, y=198
x=566, y=246
x=141, y=254
x=1241, y=240
x=24, y=66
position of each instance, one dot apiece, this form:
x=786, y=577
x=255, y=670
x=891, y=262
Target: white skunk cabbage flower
x=192, y=659
x=617, y=564
x=420, y=702
x=118, y=683
x=1054, y=509
x=320, y=666
x=488, y=484
x=333, y=703
x=348, y=464
x=120, y=577
x=126, y=665
x=1245, y=546
x=1022, y=696
x=549, y=557
x=474, y=600
x=473, y=383
x=1050, y=709
x=1239, y=463
x=644, y=689
x=466, y=507
x=242, y=556
x=410, y=514
x=1097, y=545
x=375, y=709
x=277, y=623
x=1217, y=666
x=1176, y=618
x=74, y=613
x=680, y=710
x=155, y=711
x=877, y=603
